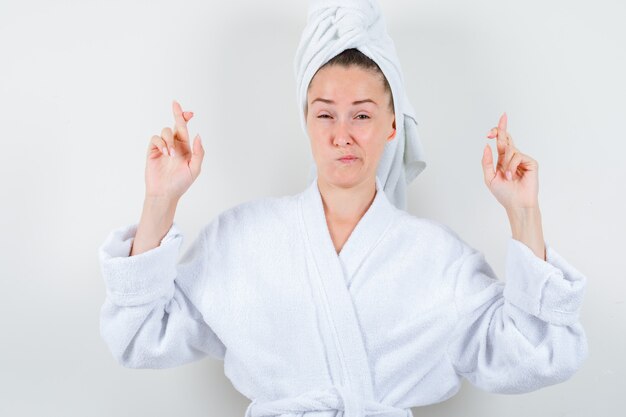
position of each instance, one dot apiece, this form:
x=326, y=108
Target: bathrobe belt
x=334, y=398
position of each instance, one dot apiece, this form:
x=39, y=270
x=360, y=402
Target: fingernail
x=173, y=152
x=163, y=150
x=508, y=175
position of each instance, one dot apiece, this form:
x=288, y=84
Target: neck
x=346, y=206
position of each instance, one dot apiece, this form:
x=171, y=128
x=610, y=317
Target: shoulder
x=267, y=209
x=255, y=216
x=431, y=235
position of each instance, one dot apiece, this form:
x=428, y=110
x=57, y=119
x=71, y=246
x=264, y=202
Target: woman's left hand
x=520, y=189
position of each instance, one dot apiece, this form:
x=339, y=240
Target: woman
x=334, y=299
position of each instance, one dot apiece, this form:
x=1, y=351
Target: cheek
x=313, y=127
x=374, y=147
x=316, y=147
x=320, y=127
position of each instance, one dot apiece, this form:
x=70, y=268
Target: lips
x=347, y=158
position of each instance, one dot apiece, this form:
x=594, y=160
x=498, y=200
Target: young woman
x=335, y=299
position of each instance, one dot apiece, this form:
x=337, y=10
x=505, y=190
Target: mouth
x=348, y=159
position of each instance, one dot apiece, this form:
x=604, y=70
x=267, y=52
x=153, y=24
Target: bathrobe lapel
x=333, y=275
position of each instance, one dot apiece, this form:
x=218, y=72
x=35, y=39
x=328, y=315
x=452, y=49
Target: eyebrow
x=354, y=103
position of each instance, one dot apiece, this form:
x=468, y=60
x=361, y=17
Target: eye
x=363, y=115
x=321, y=116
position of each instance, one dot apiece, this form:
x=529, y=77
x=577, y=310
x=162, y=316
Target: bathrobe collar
x=367, y=233
x=331, y=276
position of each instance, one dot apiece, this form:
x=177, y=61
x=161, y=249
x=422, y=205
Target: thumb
x=196, y=158
x=487, y=163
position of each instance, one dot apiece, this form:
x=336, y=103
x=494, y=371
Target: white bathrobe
x=396, y=320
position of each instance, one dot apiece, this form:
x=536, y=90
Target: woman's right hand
x=171, y=167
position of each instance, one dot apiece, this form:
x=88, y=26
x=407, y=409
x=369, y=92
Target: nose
x=342, y=134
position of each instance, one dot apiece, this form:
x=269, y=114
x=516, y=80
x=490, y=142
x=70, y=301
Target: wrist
x=158, y=211
x=156, y=219
x=521, y=215
x=526, y=226
x=157, y=203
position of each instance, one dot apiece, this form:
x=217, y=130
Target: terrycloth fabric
x=396, y=320
x=334, y=26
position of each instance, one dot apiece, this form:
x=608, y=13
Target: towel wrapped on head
x=336, y=25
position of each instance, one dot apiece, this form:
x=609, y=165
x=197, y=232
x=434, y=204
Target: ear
x=393, y=135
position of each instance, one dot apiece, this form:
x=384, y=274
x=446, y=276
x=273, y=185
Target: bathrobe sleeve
x=518, y=336
x=150, y=317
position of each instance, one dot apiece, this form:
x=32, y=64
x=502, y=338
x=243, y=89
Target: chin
x=345, y=178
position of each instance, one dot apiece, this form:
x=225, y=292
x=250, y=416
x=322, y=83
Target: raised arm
x=518, y=336
x=150, y=317
x=171, y=168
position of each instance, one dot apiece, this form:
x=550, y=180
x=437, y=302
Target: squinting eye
x=323, y=116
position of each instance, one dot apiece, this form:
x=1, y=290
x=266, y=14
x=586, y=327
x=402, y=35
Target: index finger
x=502, y=128
x=180, y=128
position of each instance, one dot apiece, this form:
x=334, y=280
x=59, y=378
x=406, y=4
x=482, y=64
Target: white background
x=85, y=84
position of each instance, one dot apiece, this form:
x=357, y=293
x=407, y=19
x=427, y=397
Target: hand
x=171, y=167
x=520, y=190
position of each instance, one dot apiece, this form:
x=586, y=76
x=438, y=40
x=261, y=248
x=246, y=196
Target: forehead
x=344, y=80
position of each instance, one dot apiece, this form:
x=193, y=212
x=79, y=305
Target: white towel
x=334, y=26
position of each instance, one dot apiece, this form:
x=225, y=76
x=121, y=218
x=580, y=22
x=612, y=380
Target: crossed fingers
x=508, y=155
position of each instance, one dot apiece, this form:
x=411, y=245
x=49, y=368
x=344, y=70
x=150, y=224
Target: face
x=339, y=124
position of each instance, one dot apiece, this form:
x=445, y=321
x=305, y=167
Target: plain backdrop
x=85, y=84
